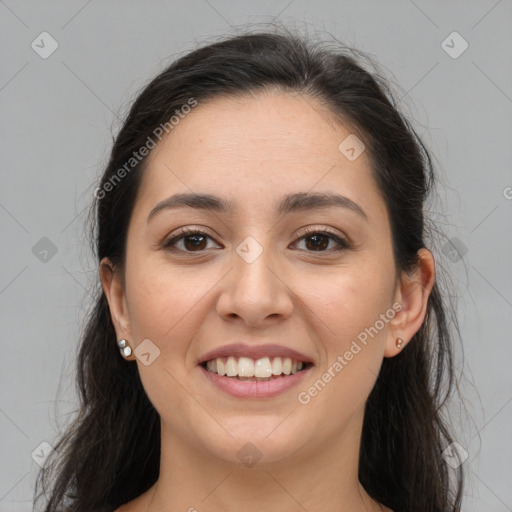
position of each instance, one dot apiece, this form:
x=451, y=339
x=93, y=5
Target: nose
x=255, y=291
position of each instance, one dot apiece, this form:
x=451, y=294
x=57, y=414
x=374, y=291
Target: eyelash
x=342, y=243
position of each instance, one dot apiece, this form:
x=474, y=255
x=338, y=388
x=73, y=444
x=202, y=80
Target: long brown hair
x=110, y=453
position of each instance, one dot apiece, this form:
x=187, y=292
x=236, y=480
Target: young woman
x=269, y=333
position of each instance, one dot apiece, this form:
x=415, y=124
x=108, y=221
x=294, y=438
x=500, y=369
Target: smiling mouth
x=255, y=370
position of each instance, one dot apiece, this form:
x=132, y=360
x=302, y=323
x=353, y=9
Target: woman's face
x=254, y=284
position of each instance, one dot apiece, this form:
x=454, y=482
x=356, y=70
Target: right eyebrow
x=198, y=201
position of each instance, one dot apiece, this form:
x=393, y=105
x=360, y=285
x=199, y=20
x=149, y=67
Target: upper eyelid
x=187, y=231
x=311, y=230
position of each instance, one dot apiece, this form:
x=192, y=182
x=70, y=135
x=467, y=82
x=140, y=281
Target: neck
x=324, y=478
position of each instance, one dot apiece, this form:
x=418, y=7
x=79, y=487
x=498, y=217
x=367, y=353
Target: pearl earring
x=399, y=342
x=124, y=348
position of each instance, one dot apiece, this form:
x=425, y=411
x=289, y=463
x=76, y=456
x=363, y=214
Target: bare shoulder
x=140, y=504
x=136, y=505
x=129, y=507
x=124, y=508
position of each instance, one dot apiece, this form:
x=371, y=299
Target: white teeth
x=262, y=368
x=246, y=368
x=221, y=367
x=277, y=366
x=212, y=365
x=287, y=366
x=231, y=367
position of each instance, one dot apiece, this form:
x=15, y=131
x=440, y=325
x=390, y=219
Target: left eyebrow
x=303, y=201
x=300, y=201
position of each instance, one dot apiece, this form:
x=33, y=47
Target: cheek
x=352, y=299
x=164, y=301
x=164, y=307
x=352, y=339
x=352, y=333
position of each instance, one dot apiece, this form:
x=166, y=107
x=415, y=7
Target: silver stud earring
x=124, y=348
x=399, y=342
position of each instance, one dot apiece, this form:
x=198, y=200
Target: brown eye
x=318, y=241
x=192, y=241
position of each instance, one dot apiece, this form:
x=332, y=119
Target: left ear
x=412, y=294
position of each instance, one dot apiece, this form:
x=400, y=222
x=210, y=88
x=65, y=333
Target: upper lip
x=254, y=352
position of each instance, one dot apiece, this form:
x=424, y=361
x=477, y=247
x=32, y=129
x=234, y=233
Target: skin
x=254, y=150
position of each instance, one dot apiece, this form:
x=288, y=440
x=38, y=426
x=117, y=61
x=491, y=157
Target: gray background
x=58, y=115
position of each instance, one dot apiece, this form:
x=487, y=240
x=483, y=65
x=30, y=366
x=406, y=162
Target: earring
x=399, y=342
x=124, y=348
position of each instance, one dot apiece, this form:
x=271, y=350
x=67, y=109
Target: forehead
x=287, y=126
x=254, y=149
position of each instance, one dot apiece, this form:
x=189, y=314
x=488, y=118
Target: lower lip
x=254, y=389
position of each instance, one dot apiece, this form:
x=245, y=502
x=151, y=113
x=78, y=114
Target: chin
x=256, y=442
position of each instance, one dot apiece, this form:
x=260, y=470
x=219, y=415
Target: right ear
x=111, y=282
